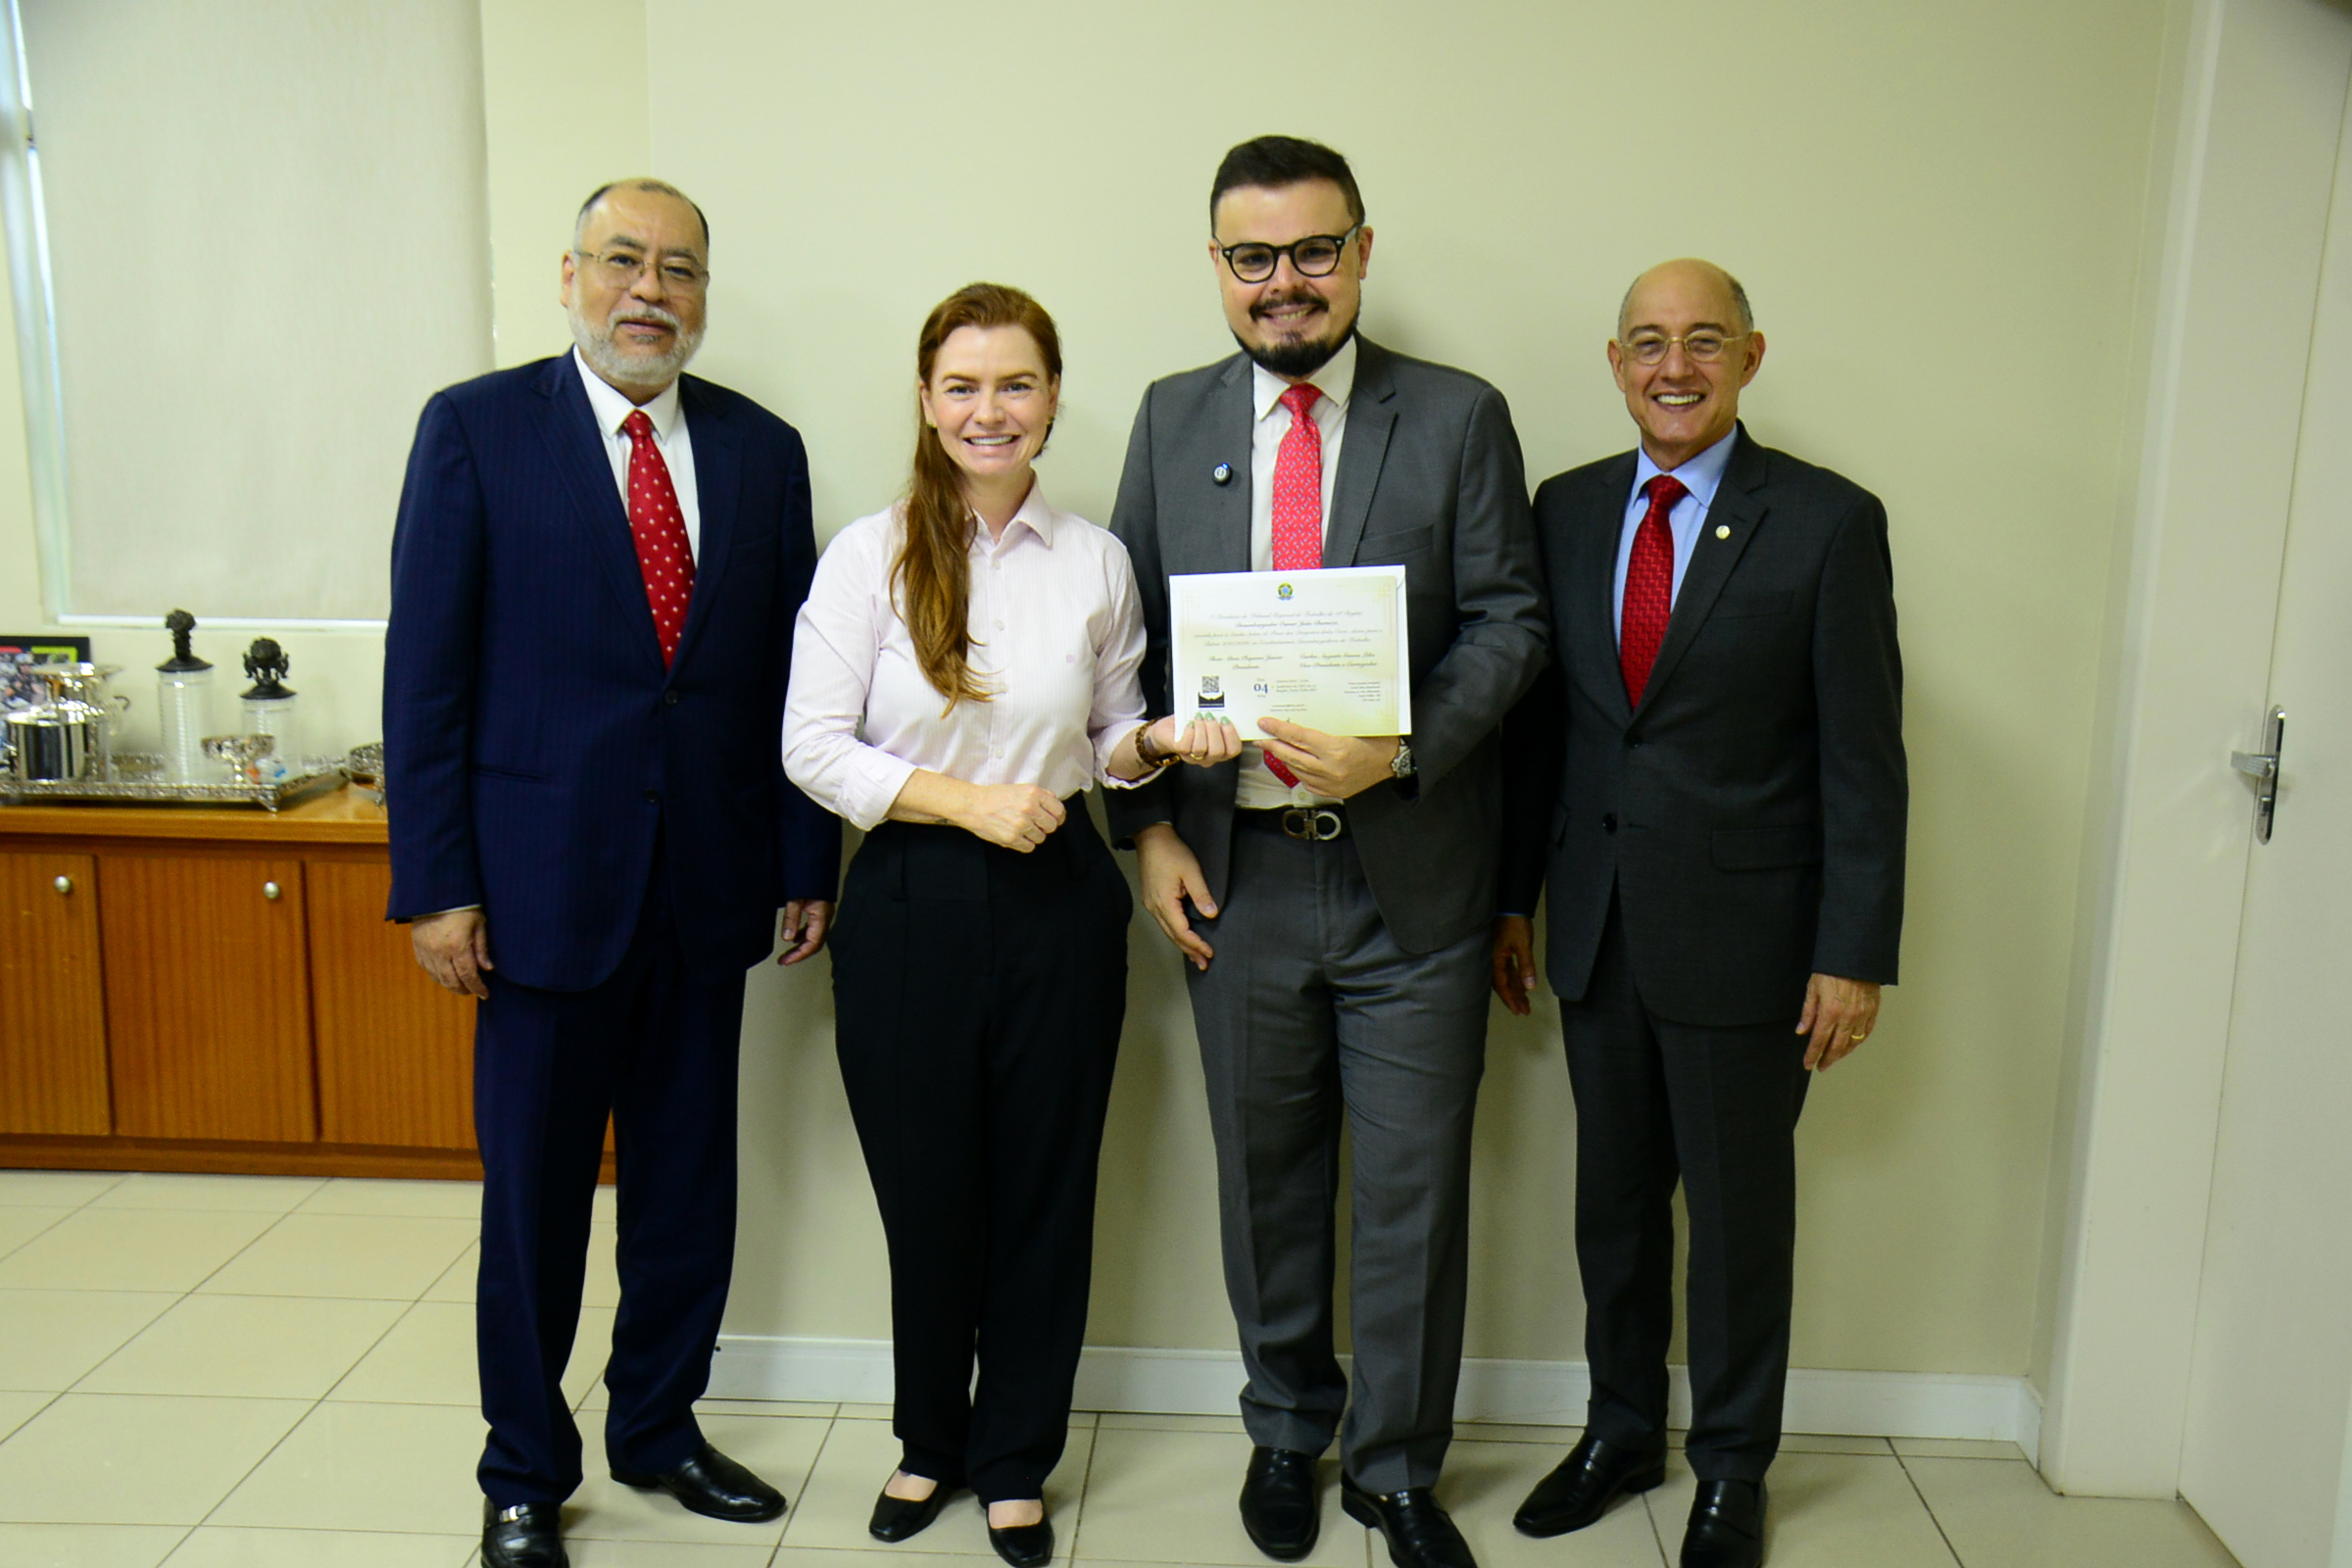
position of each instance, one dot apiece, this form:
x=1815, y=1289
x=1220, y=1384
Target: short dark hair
x=1274, y=161
x=660, y=187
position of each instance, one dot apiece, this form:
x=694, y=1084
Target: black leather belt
x=1312, y=824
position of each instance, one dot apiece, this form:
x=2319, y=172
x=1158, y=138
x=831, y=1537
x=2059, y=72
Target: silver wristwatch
x=1401, y=766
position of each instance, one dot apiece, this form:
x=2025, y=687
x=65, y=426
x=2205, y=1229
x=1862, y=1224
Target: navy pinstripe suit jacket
x=536, y=751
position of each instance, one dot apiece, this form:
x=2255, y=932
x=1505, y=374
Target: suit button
x=1635, y=745
x=1608, y=823
x=669, y=699
x=654, y=798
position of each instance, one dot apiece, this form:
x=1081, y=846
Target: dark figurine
x=181, y=625
x=266, y=663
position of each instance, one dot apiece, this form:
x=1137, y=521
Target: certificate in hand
x=1325, y=649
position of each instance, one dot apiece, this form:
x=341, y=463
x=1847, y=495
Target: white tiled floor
x=257, y=1372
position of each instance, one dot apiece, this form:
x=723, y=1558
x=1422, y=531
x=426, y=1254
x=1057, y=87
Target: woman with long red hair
x=964, y=668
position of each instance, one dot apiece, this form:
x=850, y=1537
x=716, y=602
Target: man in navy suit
x=594, y=575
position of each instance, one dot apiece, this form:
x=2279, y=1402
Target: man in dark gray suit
x=1344, y=879
x=1712, y=775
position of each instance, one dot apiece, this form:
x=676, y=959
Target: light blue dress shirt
x=1702, y=476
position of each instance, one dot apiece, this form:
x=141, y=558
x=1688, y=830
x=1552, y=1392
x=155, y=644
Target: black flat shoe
x=1595, y=1474
x=1279, y=1505
x=1024, y=1546
x=897, y=1518
x=1727, y=1526
x=529, y=1536
x=711, y=1485
x=1419, y=1531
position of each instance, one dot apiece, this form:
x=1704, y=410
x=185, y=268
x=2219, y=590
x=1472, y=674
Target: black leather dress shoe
x=1024, y=1546
x=1580, y=1489
x=1727, y=1526
x=897, y=1518
x=713, y=1485
x=530, y=1536
x=1279, y=1505
x=1420, y=1533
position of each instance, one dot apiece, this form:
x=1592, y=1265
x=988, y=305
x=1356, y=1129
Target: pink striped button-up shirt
x=1057, y=637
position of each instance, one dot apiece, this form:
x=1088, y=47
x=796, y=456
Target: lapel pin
x=1723, y=530
x=1222, y=472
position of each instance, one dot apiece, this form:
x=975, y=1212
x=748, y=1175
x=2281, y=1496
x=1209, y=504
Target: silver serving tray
x=138, y=778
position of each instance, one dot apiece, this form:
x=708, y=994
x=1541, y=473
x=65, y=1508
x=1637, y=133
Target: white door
x=2271, y=1387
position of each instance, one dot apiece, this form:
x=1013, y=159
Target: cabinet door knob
x=63, y=884
x=271, y=890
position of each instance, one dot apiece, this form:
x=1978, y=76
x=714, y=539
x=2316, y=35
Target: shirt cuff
x=877, y=777
x=1106, y=745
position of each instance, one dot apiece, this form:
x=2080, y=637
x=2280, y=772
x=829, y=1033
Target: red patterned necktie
x=1298, y=507
x=1648, y=587
x=660, y=529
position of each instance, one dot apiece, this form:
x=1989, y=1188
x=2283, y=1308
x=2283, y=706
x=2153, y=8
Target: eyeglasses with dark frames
x=1316, y=256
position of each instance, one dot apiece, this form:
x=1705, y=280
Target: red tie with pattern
x=1298, y=507
x=1648, y=587
x=659, y=529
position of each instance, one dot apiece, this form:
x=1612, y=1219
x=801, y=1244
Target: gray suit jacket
x=1430, y=479
x=1749, y=815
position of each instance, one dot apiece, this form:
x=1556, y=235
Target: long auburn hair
x=932, y=575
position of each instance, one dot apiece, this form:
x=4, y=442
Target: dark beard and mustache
x=1299, y=357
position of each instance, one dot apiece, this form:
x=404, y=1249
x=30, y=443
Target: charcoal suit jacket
x=1749, y=815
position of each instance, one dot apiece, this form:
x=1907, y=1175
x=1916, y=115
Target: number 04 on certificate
x=1325, y=649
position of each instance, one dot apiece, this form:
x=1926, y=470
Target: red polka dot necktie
x=1298, y=507
x=660, y=529
x=1648, y=587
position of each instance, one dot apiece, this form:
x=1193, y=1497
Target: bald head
x=1684, y=276
x=1686, y=345
x=646, y=186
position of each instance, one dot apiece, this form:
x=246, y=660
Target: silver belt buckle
x=1315, y=824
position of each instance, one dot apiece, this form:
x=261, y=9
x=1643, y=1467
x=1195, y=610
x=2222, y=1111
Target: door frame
x=2245, y=172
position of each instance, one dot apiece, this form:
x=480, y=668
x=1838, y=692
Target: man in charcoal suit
x=1328, y=888
x=1710, y=780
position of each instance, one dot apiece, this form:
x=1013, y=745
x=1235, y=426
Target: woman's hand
x=1203, y=743
x=1017, y=816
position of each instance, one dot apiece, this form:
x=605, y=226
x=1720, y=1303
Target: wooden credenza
x=200, y=990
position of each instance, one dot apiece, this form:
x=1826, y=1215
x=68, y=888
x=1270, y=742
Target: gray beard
x=631, y=370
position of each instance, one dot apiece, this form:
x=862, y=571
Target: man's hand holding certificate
x=1305, y=658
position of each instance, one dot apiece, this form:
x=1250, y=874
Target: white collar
x=612, y=408
x=1335, y=380
x=1034, y=512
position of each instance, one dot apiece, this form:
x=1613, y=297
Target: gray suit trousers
x=1310, y=1011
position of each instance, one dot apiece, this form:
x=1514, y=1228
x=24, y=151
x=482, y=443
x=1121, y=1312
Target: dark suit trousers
x=979, y=995
x=654, y=1046
x=1658, y=1102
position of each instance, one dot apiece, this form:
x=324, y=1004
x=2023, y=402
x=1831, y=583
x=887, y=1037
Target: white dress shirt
x=1702, y=477
x=1056, y=639
x=1259, y=789
x=612, y=410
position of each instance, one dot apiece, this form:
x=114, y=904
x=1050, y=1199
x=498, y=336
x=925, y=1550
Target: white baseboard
x=1881, y=1404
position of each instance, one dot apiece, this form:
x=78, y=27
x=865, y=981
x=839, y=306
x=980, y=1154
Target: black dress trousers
x=979, y=995
x=1716, y=1110
x=654, y=1047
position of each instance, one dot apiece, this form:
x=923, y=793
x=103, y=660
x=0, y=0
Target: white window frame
x=28, y=227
